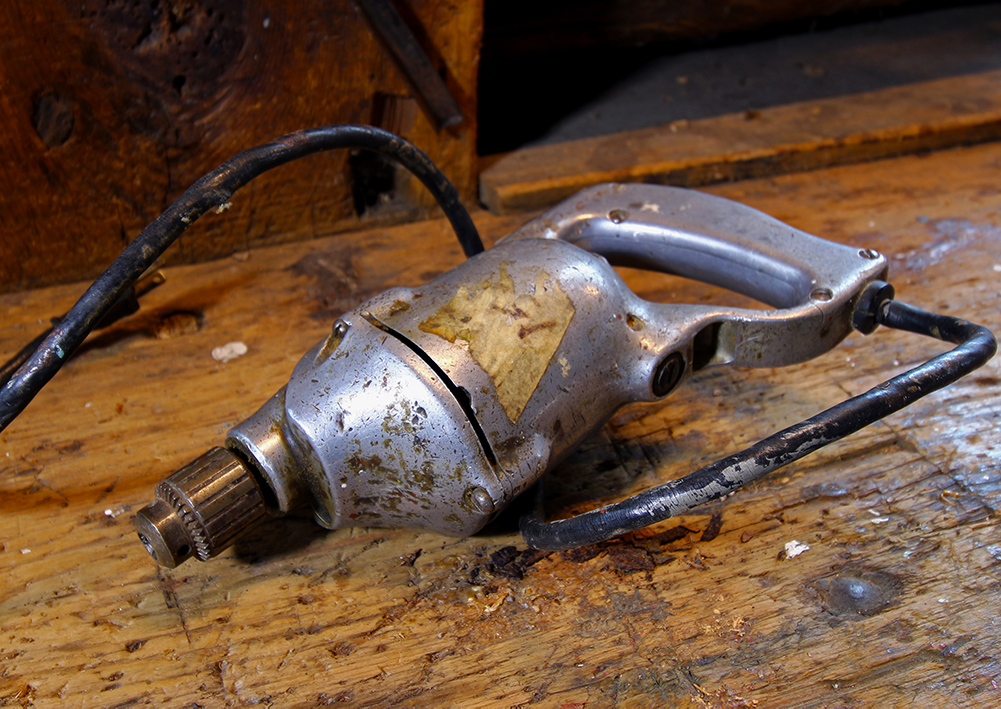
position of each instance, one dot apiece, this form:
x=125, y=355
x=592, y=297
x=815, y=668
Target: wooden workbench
x=895, y=602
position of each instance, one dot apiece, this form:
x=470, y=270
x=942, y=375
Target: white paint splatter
x=795, y=548
x=229, y=351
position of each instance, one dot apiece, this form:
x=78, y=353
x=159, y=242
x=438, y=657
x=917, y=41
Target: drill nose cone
x=201, y=509
x=162, y=533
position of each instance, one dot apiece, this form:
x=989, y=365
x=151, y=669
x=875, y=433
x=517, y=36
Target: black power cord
x=976, y=345
x=214, y=189
x=127, y=305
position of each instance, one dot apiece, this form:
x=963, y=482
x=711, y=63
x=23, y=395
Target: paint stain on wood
x=512, y=335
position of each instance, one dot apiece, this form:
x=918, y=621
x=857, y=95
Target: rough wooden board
x=110, y=110
x=901, y=514
x=809, y=135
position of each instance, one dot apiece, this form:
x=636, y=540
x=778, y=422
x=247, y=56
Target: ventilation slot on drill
x=460, y=395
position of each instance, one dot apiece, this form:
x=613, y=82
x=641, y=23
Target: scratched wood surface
x=894, y=603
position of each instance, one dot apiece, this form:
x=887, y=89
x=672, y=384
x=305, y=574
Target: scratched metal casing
x=433, y=407
x=368, y=434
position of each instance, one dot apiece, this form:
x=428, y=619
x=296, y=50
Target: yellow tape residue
x=512, y=336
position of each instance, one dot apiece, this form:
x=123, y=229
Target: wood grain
x=895, y=601
x=803, y=136
x=110, y=110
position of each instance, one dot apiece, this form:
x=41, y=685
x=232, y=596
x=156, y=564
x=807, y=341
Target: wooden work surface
x=895, y=602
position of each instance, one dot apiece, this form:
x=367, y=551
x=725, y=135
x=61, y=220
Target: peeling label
x=513, y=336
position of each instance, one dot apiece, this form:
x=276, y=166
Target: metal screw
x=323, y=518
x=480, y=500
x=618, y=216
x=869, y=254
x=821, y=294
x=337, y=334
x=668, y=374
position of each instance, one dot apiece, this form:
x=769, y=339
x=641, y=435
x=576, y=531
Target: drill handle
x=812, y=285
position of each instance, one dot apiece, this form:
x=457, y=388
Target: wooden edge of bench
x=931, y=115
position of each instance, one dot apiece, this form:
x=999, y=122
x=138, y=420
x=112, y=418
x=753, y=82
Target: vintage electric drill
x=434, y=407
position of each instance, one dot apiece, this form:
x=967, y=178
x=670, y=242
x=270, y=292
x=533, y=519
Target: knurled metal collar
x=201, y=509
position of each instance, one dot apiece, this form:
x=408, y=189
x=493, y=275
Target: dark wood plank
x=803, y=136
x=517, y=27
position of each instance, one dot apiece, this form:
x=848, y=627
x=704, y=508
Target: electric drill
x=434, y=407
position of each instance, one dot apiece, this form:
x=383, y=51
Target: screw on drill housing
x=668, y=374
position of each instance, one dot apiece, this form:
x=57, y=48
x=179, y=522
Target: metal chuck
x=201, y=509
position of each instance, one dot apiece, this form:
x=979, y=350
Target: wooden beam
x=782, y=139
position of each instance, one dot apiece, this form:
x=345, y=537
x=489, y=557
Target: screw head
x=333, y=341
x=480, y=500
x=668, y=374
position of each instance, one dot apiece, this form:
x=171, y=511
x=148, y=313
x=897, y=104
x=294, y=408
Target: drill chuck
x=201, y=509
